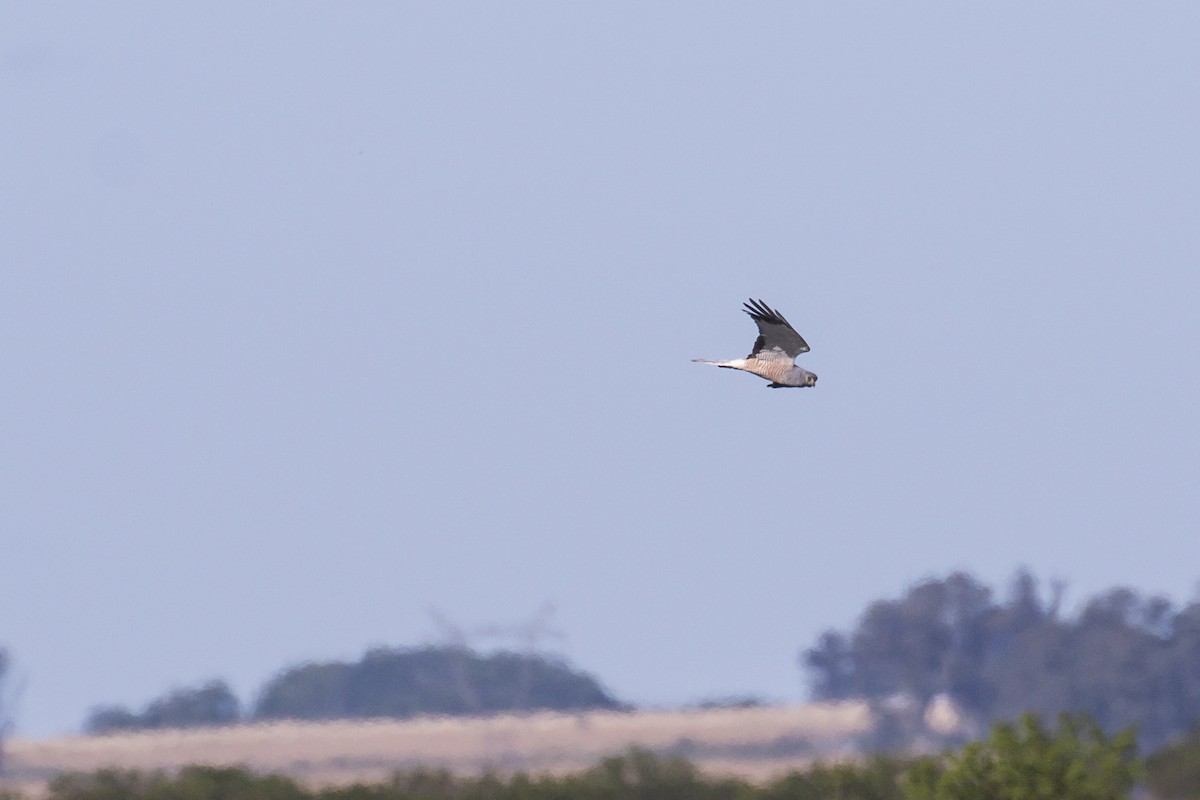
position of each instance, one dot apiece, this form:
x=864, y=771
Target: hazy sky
x=316, y=317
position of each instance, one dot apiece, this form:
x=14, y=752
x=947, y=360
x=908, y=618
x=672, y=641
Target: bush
x=1076, y=762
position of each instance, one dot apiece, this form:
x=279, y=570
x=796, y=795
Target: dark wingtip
x=760, y=310
x=756, y=308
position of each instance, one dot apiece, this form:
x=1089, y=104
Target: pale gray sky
x=316, y=316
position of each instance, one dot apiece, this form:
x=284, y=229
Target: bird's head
x=811, y=380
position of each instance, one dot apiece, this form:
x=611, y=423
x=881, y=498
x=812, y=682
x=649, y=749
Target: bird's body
x=774, y=353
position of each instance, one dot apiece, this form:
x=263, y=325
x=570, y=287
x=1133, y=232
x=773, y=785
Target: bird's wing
x=774, y=332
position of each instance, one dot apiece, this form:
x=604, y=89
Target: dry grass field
x=752, y=742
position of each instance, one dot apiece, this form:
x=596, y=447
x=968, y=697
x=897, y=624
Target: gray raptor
x=775, y=350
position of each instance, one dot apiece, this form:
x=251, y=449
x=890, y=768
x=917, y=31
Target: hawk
x=775, y=350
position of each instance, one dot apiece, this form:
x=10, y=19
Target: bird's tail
x=736, y=363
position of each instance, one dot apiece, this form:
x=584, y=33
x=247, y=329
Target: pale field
x=756, y=743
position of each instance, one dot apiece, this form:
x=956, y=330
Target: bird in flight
x=775, y=350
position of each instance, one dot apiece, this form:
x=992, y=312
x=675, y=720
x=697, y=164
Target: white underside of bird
x=736, y=363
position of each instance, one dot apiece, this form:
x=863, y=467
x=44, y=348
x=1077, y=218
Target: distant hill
x=384, y=683
x=212, y=704
x=402, y=683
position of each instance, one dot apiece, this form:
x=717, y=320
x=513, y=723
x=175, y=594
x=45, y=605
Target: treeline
x=1125, y=659
x=395, y=683
x=1122, y=658
x=1074, y=761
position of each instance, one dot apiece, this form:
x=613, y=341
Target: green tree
x=1078, y=761
x=1184, y=641
x=103, y=784
x=929, y=641
x=191, y=783
x=640, y=774
x=1123, y=659
x=879, y=778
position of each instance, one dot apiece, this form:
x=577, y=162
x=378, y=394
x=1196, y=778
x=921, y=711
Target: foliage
x=1017, y=762
x=1076, y=762
x=210, y=704
x=192, y=783
x=1173, y=773
x=1123, y=659
x=634, y=775
x=879, y=778
x=402, y=683
x=641, y=775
